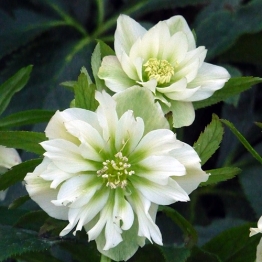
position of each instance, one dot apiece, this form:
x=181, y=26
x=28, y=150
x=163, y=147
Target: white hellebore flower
x=254, y=231
x=8, y=158
x=165, y=60
x=102, y=172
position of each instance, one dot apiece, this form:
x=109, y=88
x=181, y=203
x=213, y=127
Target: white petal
x=55, y=175
x=178, y=90
x=183, y=113
x=128, y=66
x=147, y=227
x=192, y=179
x=186, y=155
x=112, y=234
x=40, y=191
x=92, y=142
x=259, y=223
x=56, y=129
x=112, y=72
x=127, y=32
x=176, y=48
x=122, y=211
x=210, y=78
x=198, y=54
x=259, y=251
x=159, y=168
x=152, y=44
x=107, y=116
x=254, y=231
x=95, y=205
x=189, y=71
x=178, y=23
x=160, y=194
x=105, y=215
x=3, y=194
x=66, y=156
x=8, y=157
x=156, y=142
x=77, y=188
x=129, y=132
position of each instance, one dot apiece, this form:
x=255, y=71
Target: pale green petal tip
x=142, y=102
x=126, y=249
x=183, y=113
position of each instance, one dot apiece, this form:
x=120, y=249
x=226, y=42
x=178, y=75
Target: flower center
x=116, y=171
x=161, y=70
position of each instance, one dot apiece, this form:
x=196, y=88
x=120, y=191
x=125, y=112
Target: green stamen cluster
x=116, y=171
x=161, y=70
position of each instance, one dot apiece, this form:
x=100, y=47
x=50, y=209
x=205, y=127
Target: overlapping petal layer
x=165, y=60
x=101, y=172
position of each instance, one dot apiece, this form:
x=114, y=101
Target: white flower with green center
x=103, y=172
x=8, y=158
x=165, y=60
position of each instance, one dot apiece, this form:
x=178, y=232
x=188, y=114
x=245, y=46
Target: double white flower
x=165, y=60
x=102, y=172
x=8, y=158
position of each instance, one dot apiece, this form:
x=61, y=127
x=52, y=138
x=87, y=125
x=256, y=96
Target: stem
x=100, y=12
x=68, y=19
x=112, y=21
x=105, y=259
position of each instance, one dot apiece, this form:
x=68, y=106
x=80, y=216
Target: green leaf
x=81, y=250
x=100, y=51
x=245, y=50
x=233, y=87
x=234, y=244
x=209, y=141
x=25, y=140
x=22, y=27
x=32, y=220
x=174, y=253
x=230, y=25
x=17, y=173
x=242, y=139
x=37, y=257
x=190, y=234
x=19, y=201
x=141, y=101
x=14, y=241
x=85, y=93
x=9, y=217
x=69, y=85
x=148, y=253
x=258, y=124
x=199, y=254
x=26, y=118
x=13, y=85
x=221, y=174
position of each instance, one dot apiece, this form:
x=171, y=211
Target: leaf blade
x=17, y=173
x=14, y=84
x=209, y=140
x=25, y=140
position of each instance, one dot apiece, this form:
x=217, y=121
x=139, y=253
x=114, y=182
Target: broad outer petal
x=127, y=32
x=178, y=23
x=40, y=191
x=210, y=78
x=183, y=113
x=56, y=129
x=8, y=157
x=112, y=72
x=259, y=251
